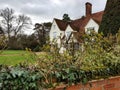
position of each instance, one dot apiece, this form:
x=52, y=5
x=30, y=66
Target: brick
x=96, y=88
x=115, y=89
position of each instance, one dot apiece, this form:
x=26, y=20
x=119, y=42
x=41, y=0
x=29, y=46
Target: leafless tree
x=7, y=20
x=22, y=23
x=13, y=24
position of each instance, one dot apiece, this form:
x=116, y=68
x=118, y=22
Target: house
x=63, y=32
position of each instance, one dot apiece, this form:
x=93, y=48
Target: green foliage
x=27, y=41
x=111, y=18
x=46, y=48
x=37, y=48
x=66, y=17
x=42, y=33
x=47, y=24
x=2, y=42
x=118, y=37
x=18, y=78
x=97, y=60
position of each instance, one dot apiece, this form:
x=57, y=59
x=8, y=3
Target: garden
x=99, y=59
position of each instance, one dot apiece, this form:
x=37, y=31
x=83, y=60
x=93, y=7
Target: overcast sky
x=46, y=10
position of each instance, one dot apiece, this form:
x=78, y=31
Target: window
x=68, y=34
x=54, y=35
x=76, y=46
x=54, y=26
x=90, y=29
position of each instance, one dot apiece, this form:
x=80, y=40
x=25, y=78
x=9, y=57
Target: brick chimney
x=88, y=9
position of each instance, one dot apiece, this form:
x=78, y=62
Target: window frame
x=54, y=35
x=68, y=34
x=90, y=29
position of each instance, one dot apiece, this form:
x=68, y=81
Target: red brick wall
x=107, y=84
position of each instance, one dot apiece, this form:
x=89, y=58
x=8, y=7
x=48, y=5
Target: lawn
x=14, y=57
x=10, y=52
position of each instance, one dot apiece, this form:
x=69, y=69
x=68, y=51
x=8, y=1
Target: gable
x=61, y=24
x=68, y=29
x=92, y=24
x=55, y=31
x=54, y=28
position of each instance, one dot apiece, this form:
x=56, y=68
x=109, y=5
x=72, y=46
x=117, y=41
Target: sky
x=45, y=10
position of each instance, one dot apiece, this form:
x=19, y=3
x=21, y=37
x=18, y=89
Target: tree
x=1, y=31
x=22, y=22
x=2, y=39
x=42, y=32
x=66, y=17
x=7, y=20
x=111, y=18
x=47, y=25
x=28, y=41
x=13, y=24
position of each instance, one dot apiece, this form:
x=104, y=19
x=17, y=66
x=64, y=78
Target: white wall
x=55, y=28
x=92, y=23
x=69, y=29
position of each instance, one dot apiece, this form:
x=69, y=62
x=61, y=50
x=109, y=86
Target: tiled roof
x=75, y=28
x=79, y=24
x=98, y=16
x=82, y=22
x=61, y=24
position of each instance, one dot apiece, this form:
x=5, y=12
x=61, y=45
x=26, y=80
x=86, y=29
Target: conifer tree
x=111, y=19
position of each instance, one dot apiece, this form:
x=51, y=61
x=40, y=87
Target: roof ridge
x=98, y=12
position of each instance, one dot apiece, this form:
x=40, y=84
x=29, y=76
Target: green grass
x=14, y=57
x=10, y=52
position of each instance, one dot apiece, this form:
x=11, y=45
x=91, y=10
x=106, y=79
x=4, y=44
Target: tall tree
x=7, y=20
x=22, y=23
x=111, y=18
x=13, y=24
x=42, y=32
x=66, y=17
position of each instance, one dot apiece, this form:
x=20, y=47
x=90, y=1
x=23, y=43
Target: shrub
x=37, y=48
x=97, y=60
x=18, y=78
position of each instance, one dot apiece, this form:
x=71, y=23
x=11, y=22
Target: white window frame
x=90, y=29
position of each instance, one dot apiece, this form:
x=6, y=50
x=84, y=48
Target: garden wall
x=107, y=84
